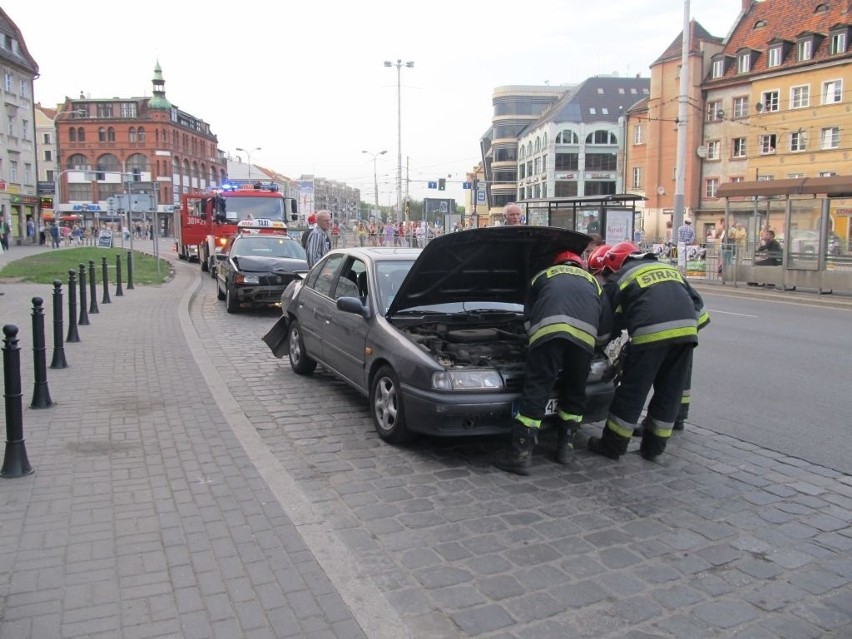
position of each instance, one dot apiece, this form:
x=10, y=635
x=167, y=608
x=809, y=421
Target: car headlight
x=598, y=369
x=239, y=278
x=467, y=380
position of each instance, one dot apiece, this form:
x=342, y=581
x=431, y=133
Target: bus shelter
x=613, y=217
x=811, y=221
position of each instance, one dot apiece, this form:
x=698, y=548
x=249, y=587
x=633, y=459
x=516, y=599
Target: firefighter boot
x=682, y=414
x=640, y=429
x=652, y=445
x=565, y=437
x=518, y=457
x=609, y=444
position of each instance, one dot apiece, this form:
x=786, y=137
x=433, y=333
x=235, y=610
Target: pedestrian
x=4, y=233
x=512, y=215
x=31, y=229
x=54, y=235
x=562, y=309
x=335, y=235
x=662, y=314
x=770, y=248
x=42, y=233
x=319, y=241
x=685, y=232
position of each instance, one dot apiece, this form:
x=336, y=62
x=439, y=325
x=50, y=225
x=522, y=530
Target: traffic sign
x=432, y=185
x=467, y=185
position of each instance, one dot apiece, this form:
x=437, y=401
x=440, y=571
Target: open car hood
x=263, y=264
x=493, y=264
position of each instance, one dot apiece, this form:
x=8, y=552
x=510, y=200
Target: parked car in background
x=257, y=264
x=434, y=337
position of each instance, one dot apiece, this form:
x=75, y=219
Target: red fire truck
x=205, y=221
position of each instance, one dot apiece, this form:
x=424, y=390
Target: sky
x=306, y=82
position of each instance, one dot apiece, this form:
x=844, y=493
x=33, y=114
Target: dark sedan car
x=255, y=268
x=435, y=338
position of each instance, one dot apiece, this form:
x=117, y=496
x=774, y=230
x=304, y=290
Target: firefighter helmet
x=596, y=259
x=568, y=256
x=614, y=258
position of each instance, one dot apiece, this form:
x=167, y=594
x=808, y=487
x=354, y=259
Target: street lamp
x=375, y=175
x=399, y=64
x=248, y=152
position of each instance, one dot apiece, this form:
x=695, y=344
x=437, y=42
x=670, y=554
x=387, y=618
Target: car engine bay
x=471, y=346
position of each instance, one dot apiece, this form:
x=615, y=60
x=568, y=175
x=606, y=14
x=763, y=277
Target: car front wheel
x=220, y=294
x=232, y=300
x=299, y=360
x=386, y=407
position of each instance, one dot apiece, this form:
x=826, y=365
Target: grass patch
x=51, y=265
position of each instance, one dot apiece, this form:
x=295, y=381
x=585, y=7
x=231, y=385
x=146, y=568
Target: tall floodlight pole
x=375, y=175
x=682, y=113
x=248, y=152
x=399, y=64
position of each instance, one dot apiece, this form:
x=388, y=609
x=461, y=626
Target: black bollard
x=129, y=270
x=15, y=462
x=105, y=278
x=93, y=291
x=118, y=291
x=58, y=360
x=84, y=314
x=73, y=334
x=41, y=394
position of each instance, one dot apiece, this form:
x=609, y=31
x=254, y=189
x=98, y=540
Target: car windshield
x=254, y=207
x=268, y=247
x=390, y=275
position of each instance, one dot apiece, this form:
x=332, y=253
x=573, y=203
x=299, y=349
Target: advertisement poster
x=306, y=198
x=619, y=226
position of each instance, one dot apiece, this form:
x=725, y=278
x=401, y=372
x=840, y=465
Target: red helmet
x=568, y=256
x=614, y=258
x=596, y=259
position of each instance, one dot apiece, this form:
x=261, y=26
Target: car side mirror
x=353, y=305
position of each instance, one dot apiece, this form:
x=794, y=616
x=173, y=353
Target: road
x=776, y=374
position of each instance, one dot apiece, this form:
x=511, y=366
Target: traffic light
x=442, y=184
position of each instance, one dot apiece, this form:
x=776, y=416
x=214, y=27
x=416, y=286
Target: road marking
x=713, y=311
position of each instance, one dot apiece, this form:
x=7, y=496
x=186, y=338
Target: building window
x=601, y=137
x=567, y=161
x=831, y=137
x=767, y=144
x=741, y=107
x=838, y=43
x=738, y=149
x=131, y=135
x=805, y=49
x=567, y=137
x=28, y=173
x=7, y=82
x=81, y=134
x=128, y=109
x=13, y=171
x=600, y=162
x=714, y=111
x=711, y=187
x=738, y=178
x=774, y=58
x=25, y=128
x=104, y=109
x=718, y=68
x=102, y=134
x=46, y=138
x=798, y=141
x=10, y=125
x=713, y=150
x=800, y=97
x=48, y=155
x=638, y=135
x=744, y=63
x=72, y=134
x=832, y=92
x=110, y=134
x=637, y=177
x=827, y=173
x=771, y=101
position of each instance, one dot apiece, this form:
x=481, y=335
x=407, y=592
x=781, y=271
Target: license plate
x=550, y=409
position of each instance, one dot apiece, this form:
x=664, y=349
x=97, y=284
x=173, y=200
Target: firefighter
x=562, y=312
x=596, y=261
x=662, y=314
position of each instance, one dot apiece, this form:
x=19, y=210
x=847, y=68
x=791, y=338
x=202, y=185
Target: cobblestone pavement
x=188, y=484
x=718, y=539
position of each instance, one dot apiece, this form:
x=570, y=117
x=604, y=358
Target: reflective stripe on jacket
x=564, y=302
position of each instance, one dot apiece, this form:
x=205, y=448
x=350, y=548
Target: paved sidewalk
x=145, y=516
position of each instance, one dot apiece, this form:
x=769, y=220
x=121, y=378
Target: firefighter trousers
x=665, y=369
x=543, y=366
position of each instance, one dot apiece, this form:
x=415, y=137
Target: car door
x=346, y=333
x=315, y=307
x=223, y=265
